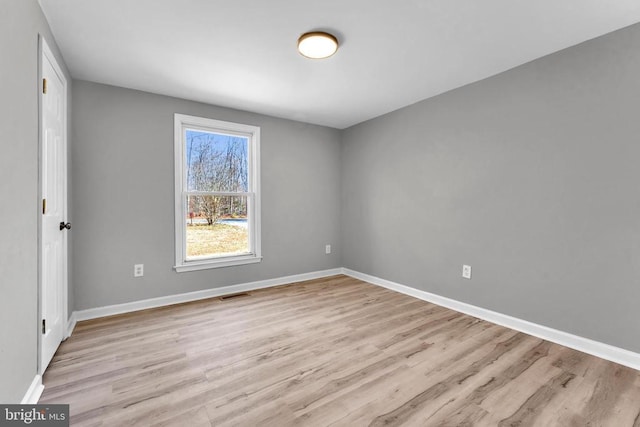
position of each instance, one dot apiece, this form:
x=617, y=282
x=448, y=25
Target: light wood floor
x=333, y=351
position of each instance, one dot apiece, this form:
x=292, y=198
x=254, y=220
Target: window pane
x=216, y=162
x=216, y=226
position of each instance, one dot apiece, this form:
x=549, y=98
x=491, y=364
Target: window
x=217, y=193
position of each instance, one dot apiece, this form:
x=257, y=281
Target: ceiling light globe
x=317, y=45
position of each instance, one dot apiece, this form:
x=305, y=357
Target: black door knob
x=63, y=226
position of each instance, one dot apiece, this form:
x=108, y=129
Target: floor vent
x=231, y=296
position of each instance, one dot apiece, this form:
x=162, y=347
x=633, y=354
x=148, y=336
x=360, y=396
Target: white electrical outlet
x=138, y=270
x=466, y=271
x=327, y=249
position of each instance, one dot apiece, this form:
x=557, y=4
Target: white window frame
x=182, y=122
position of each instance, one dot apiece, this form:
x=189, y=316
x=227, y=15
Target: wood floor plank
x=333, y=351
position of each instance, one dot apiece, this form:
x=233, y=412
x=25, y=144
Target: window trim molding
x=181, y=122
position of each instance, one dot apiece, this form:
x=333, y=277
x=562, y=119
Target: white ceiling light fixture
x=317, y=45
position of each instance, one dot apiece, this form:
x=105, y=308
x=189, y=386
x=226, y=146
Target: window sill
x=205, y=265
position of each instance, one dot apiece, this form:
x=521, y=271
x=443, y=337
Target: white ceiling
x=242, y=53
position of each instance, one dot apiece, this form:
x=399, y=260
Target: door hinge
x=44, y=326
x=44, y=206
x=44, y=85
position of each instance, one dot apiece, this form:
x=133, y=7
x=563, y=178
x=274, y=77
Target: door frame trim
x=45, y=51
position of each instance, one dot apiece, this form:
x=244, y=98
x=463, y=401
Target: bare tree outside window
x=217, y=223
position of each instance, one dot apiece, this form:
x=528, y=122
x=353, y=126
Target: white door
x=54, y=229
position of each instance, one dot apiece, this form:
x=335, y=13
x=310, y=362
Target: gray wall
x=531, y=177
x=20, y=23
x=124, y=197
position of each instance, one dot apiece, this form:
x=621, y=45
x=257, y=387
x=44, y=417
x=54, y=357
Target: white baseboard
x=71, y=324
x=110, y=310
x=34, y=392
x=595, y=348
